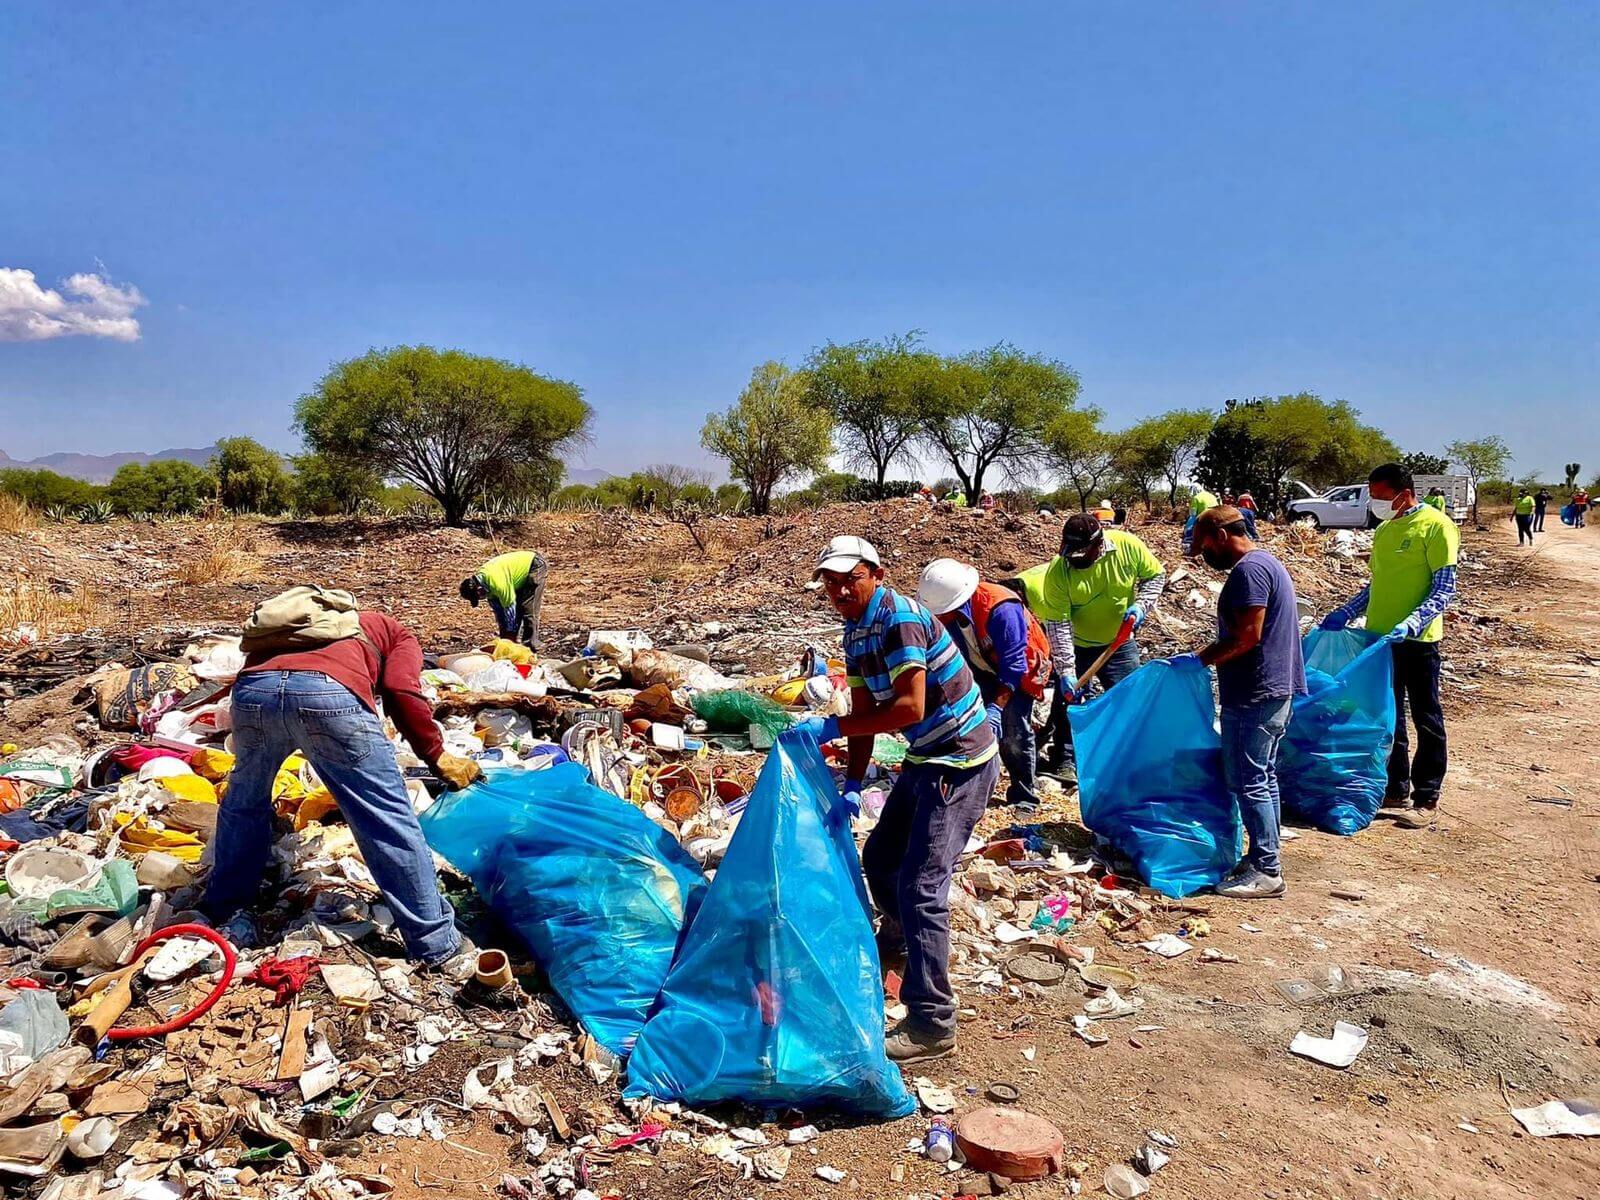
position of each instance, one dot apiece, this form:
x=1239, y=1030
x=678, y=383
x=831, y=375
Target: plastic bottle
x=940, y=1143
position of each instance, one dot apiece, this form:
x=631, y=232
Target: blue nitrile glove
x=1067, y=682
x=1135, y=611
x=852, y=796
x=992, y=715
x=824, y=729
x=849, y=806
x=1400, y=632
x=1334, y=621
x=1186, y=660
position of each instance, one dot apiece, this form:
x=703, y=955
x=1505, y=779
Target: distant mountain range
x=99, y=468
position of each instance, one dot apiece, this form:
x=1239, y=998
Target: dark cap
x=1081, y=532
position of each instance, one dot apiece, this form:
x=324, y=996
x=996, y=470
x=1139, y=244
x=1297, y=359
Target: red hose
x=229, y=961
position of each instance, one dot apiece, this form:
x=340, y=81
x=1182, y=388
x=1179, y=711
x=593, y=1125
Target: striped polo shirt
x=896, y=634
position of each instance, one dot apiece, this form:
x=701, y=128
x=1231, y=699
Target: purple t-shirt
x=1275, y=668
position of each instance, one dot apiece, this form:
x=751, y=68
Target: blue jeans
x=909, y=860
x=1251, y=734
x=1018, y=750
x=278, y=712
x=1119, y=666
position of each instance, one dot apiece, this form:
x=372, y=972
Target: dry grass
x=28, y=605
x=227, y=554
x=15, y=515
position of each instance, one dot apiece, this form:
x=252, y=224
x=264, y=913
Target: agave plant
x=58, y=513
x=98, y=513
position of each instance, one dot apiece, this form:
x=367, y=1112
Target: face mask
x=1382, y=509
x=1214, y=560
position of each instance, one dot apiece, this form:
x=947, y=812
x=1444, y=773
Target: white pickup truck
x=1346, y=507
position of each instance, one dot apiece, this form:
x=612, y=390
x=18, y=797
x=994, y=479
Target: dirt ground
x=1473, y=950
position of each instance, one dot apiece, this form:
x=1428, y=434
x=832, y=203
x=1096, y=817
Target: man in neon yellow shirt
x=513, y=584
x=1523, y=514
x=1101, y=578
x=1414, y=554
x=1200, y=501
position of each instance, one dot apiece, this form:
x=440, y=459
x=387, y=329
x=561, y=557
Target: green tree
x=45, y=489
x=1481, y=459
x=1258, y=444
x=328, y=486
x=874, y=392
x=774, y=433
x=1082, y=452
x=1139, y=458
x=731, y=498
x=1174, y=439
x=1420, y=462
x=452, y=423
x=991, y=408
x=170, y=486
x=250, y=478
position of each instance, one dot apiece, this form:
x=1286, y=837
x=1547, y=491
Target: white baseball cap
x=844, y=552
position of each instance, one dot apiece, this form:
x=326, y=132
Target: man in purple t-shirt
x=1260, y=670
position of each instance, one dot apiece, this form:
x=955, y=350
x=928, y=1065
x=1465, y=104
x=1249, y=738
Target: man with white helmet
x=1007, y=651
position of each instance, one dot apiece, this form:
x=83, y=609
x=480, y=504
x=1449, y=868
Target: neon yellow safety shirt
x=1436, y=501
x=1200, y=501
x=1524, y=506
x=1406, y=551
x=505, y=573
x=1096, y=598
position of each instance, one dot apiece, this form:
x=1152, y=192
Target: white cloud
x=87, y=304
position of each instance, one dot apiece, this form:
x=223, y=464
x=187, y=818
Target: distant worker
x=1105, y=513
x=1580, y=505
x=906, y=676
x=1436, y=498
x=1199, y=500
x=986, y=501
x=1522, y=513
x=1414, y=554
x=956, y=497
x=513, y=583
x=1101, y=578
x=1006, y=649
x=317, y=694
x=1247, y=502
x=1260, y=670
x=1541, y=499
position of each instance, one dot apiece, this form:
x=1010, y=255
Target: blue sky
x=1389, y=203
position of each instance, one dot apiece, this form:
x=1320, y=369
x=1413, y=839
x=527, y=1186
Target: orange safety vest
x=1037, y=674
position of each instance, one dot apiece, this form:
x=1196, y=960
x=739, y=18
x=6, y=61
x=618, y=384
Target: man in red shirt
x=322, y=701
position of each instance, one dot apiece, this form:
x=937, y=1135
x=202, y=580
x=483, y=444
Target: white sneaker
x=1251, y=885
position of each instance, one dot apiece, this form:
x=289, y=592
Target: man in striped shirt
x=907, y=676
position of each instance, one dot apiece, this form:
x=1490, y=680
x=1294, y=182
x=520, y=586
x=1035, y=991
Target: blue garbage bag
x=1333, y=765
x=1150, y=776
x=600, y=893
x=1569, y=514
x=776, y=997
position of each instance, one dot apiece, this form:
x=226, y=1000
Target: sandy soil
x=1473, y=948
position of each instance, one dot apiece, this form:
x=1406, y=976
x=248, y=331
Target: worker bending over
x=906, y=676
x=314, y=670
x=1260, y=670
x=1414, y=553
x=1101, y=578
x=513, y=583
x=1008, y=654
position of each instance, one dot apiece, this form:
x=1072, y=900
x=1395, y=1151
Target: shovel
x=1123, y=634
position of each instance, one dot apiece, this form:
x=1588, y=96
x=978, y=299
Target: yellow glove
x=456, y=771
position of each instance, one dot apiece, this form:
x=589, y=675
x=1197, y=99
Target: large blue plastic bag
x=1150, y=776
x=600, y=893
x=776, y=996
x=1333, y=765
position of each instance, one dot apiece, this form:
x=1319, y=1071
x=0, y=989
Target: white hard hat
x=947, y=584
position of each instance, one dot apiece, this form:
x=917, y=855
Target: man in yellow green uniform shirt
x=513, y=584
x=1100, y=578
x=1414, y=553
x=1522, y=513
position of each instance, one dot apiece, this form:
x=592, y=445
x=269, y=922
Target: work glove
x=1186, y=660
x=1136, y=614
x=992, y=715
x=1067, y=681
x=852, y=798
x=1334, y=621
x=1406, y=629
x=824, y=729
x=457, y=772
